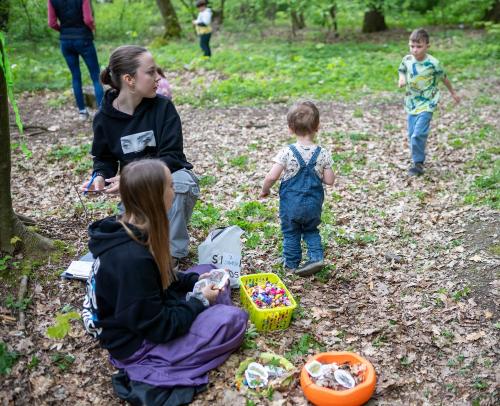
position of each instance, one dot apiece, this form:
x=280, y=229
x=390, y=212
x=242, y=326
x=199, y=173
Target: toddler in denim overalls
x=305, y=167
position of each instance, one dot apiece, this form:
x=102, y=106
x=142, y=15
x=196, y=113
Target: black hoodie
x=125, y=302
x=153, y=131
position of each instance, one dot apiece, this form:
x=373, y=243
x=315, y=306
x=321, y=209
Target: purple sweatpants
x=214, y=335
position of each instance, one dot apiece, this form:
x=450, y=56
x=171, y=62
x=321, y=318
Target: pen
x=94, y=175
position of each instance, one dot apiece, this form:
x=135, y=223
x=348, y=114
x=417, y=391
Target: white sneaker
x=83, y=115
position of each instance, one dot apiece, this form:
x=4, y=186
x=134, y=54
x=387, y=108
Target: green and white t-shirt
x=422, y=93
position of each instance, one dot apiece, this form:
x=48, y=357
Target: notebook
x=78, y=270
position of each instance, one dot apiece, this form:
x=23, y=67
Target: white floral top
x=291, y=166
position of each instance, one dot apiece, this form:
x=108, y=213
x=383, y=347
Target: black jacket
x=125, y=302
x=70, y=16
x=153, y=131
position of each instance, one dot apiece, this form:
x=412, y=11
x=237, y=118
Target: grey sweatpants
x=187, y=191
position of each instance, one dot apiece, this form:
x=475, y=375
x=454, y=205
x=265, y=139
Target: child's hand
x=205, y=275
x=263, y=194
x=210, y=293
x=402, y=82
x=98, y=184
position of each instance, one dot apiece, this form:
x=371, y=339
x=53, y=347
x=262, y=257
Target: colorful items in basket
x=268, y=295
x=334, y=376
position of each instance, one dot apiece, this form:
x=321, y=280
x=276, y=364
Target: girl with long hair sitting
x=136, y=304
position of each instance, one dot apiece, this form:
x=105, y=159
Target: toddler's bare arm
x=270, y=179
x=328, y=177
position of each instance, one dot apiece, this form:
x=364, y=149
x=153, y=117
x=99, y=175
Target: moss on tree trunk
x=172, y=26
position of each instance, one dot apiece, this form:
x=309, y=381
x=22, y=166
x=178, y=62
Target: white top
x=205, y=17
x=291, y=166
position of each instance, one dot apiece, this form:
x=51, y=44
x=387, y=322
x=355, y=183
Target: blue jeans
x=418, y=130
x=72, y=49
x=205, y=44
x=301, y=198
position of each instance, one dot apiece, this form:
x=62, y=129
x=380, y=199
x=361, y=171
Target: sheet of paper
x=78, y=270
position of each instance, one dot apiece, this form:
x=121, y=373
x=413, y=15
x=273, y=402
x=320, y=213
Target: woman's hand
x=114, y=187
x=210, y=293
x=97, y=185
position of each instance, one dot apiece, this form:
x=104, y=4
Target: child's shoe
x=417, y=169
x=310, y=268
x=83, y=115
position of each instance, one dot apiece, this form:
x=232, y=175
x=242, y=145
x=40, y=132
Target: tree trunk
x=333, y=15
x=30, y=243
x=298, y=21
x=218, y=15
x=172, y=26
x=4, y=15
x=493, y=13
x=374, y=21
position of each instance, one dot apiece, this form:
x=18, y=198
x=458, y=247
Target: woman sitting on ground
x=136, y=304
x=134, y=123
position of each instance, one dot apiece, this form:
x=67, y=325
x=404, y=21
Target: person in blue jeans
x=74, y=20
x=305, y=167
x=420, y=74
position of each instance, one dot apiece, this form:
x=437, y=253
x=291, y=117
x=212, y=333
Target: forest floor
x=412, y=282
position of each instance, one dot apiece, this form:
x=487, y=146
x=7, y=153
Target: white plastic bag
x=222, y=248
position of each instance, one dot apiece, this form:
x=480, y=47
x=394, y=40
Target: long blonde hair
x=143, y=187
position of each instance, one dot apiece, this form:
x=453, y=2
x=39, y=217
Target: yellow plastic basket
x=266, y=319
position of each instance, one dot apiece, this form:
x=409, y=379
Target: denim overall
x=301, y=198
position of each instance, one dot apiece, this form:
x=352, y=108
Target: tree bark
x=30, y=243
x=374, y=21
x=4, y=15
x=172, y=26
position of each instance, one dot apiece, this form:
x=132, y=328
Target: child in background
x=420, y=73
x=305, y=167
x=203, y=25
x=164, y=88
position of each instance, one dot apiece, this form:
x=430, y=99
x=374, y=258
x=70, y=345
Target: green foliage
x=207, y=180
x=239, y=161
x=13, y=304
x=4, y=262
x=250, y=216
x=205, y=215
x=301, y=348
x=7, y=359
x=250, y=335
x=62, y=326
x=63, y=361
x=34, y=362
x=77, y=154
x=485, y=189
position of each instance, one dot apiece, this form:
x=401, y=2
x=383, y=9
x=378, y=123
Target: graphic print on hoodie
x=154, y=130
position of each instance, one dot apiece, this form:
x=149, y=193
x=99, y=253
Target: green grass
x=251, y=71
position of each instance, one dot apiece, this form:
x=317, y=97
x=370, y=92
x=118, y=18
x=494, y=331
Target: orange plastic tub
x=350, y=397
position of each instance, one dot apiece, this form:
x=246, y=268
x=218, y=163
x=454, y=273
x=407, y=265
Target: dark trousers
x=205, y=44
x=72, y=49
